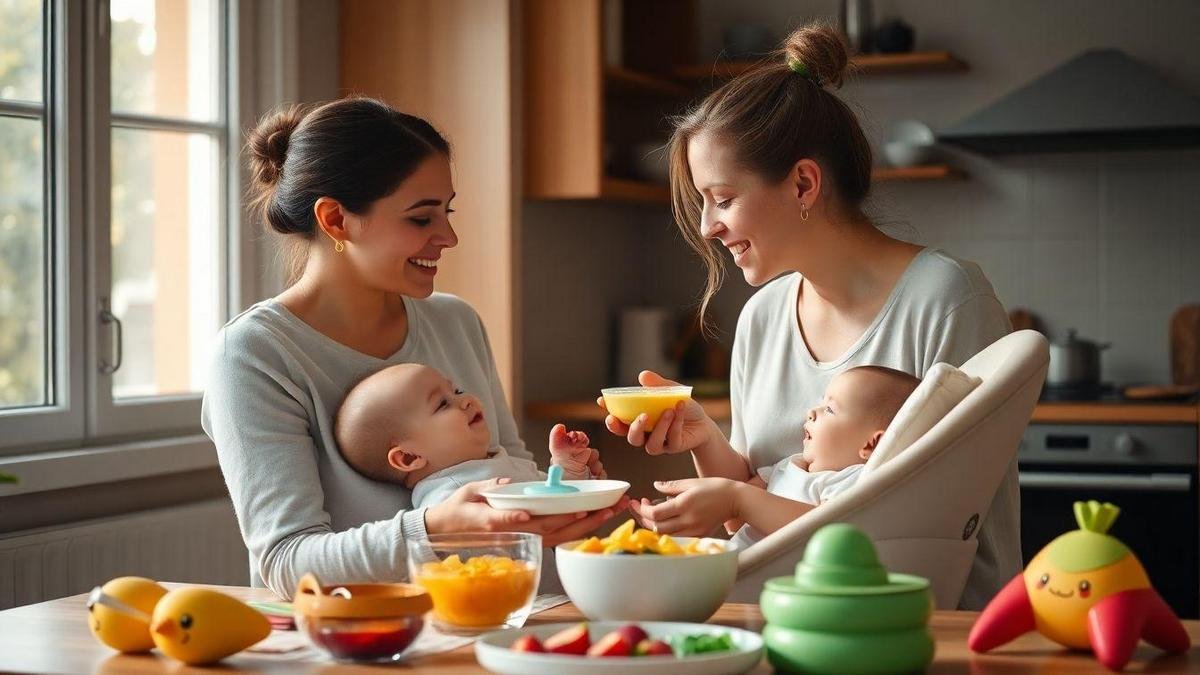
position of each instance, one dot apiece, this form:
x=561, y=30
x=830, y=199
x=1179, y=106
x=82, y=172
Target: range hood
x=1100, y=100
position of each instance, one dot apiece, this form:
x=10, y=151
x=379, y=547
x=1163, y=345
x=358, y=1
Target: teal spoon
x=553, y=485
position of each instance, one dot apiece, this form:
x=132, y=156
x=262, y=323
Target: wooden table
x=52, y=637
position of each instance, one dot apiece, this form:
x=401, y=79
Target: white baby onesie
x=437, y=486
x=786, y=479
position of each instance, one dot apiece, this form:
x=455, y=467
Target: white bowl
x=593, y=495
x=647, y=587
x=902, y=153
x=494, y=653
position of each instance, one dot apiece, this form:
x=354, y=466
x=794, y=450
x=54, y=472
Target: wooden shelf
x=622, y=81
x=588, y=411
x=626, y=190
x=864, y=64
x=912, y=173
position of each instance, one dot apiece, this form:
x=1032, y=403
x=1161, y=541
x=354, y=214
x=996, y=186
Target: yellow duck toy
x=119, y=613
x=199, y=626
x=1084, y=590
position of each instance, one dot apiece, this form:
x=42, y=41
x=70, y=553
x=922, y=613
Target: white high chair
x=929, y=484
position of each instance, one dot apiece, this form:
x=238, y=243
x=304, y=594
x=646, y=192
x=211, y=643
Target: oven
x=1149, y=471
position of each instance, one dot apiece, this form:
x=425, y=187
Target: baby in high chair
x=841, y=433
x=408, y=424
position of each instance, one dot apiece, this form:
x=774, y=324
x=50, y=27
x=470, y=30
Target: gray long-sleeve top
x=269, y=408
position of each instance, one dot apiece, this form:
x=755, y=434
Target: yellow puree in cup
x=482, y=591
x=628, y=402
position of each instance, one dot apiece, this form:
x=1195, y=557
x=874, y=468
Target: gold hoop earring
x=339, y=247
x=803, y=212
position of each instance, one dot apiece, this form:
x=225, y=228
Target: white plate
x=593, y=495
x=493, y=652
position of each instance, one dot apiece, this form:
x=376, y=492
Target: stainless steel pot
x=1074, y=362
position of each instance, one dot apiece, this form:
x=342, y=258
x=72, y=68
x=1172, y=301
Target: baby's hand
x=571, y=451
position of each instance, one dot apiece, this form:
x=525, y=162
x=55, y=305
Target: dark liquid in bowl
x=366, y=642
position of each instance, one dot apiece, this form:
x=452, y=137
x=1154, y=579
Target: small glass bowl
x=478, y=582
x=360, y=622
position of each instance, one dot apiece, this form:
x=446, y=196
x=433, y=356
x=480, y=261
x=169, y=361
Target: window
x=114, y=172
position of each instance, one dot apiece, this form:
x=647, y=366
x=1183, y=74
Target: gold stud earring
x=339, y=247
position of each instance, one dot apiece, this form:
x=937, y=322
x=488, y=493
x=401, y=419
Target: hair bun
x=822, y=51
x=268, y=144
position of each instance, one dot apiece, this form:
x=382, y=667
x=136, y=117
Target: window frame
x=78, y=168
x=122, y=418
x=62, y=84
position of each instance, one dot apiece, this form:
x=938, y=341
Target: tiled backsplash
x=1106, y=244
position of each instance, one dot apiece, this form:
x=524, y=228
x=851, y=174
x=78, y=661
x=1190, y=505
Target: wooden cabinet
x=587, y=123
x=453, y=62
x=581, y=115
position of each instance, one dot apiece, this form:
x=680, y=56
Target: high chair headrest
x=943, y=387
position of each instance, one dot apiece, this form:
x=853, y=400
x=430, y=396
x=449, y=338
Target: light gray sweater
x=269, y=407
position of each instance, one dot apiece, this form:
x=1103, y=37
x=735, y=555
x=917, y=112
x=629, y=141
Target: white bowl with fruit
x=646, y=648
x=638, y=575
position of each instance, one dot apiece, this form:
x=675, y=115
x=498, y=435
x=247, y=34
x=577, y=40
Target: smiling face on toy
x=1084, y=590
x=1074, y=573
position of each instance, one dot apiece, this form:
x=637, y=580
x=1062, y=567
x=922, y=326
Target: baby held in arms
x=840, y=434
x=408, y=424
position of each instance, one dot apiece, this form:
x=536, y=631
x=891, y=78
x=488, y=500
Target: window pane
x=164, y=57
x=23, y=289
x=21, y=50
x=165, y=258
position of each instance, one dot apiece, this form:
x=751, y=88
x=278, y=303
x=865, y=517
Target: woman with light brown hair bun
x=362, y=195
x=772, y=170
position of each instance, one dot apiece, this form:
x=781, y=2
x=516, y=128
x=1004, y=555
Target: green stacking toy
x=553, y=484
x=843, y=612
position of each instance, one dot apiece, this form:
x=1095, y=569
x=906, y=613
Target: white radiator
x=196, y=543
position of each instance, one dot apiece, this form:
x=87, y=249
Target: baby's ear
x=403, y=460
x=872, y=443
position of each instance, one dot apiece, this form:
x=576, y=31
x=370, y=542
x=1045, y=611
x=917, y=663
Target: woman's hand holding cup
x=680, y=429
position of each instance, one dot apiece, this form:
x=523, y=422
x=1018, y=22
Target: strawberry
x=573, y=640
x=527, y=643
x=613, y=644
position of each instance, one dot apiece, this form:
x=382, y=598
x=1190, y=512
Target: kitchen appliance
x=1073, y=108
x=1074, y=362
x=1150, y=471
x=856, y=24
x=644, y=336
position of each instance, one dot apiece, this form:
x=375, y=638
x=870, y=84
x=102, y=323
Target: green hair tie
x=798, y=68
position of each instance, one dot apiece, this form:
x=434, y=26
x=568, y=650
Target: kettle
x=1074, y=362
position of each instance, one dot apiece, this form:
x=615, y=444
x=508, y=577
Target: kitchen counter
x=53, y=637
x=1116, y=412
x=1102, y=412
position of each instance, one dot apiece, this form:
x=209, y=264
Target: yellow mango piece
x=623, y=532
x=590, y=545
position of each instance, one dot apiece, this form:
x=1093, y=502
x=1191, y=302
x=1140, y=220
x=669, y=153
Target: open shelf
x=929, y=172
x=865, y=64
x=588, y=411
x=622, y=81
x=628, y=190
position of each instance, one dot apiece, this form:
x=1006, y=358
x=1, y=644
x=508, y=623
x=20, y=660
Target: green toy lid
x=1090, y=547
x=841, y=560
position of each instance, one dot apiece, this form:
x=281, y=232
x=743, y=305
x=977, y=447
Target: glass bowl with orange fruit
x=477, y=581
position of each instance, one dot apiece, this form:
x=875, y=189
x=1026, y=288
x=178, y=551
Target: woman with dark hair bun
x=772, y=170
x=363, y=193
